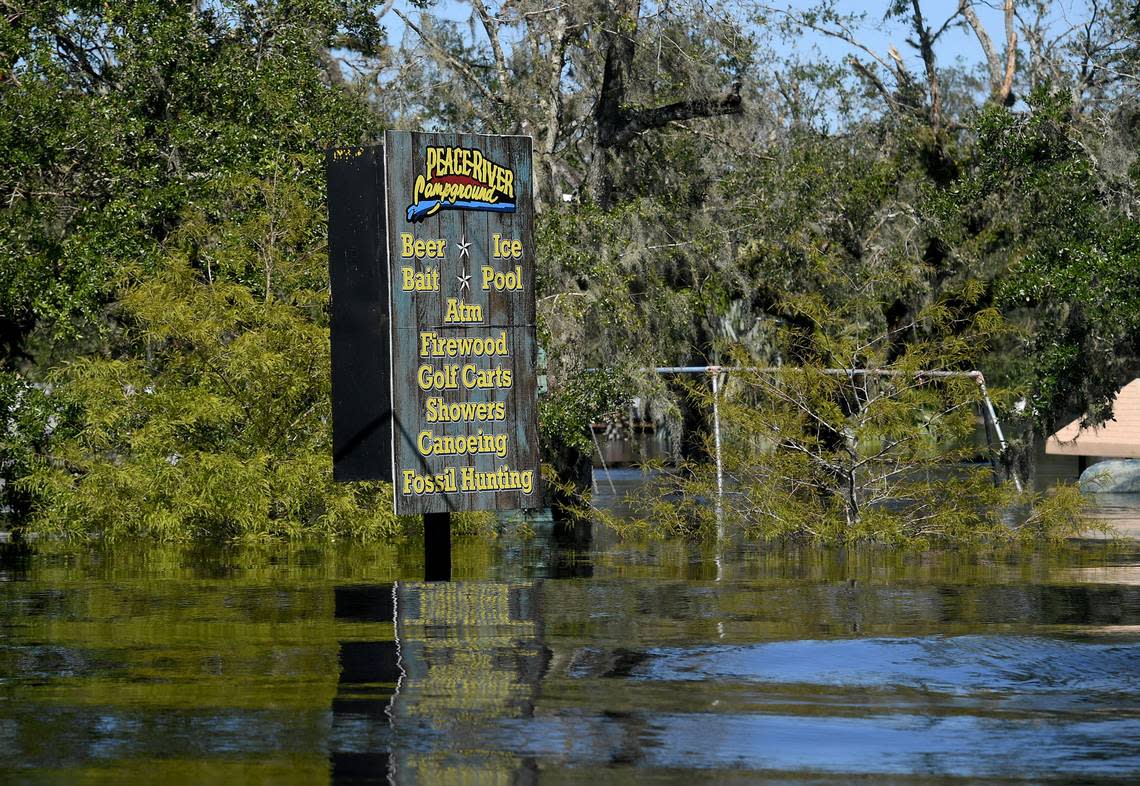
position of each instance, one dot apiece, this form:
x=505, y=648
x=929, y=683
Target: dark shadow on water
x=15, y=559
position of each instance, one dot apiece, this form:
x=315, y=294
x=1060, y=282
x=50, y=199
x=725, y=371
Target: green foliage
x=1058, y=516
x=902, y=475
x=221, y=428
x=164, y=189
x=609, y=299
x=566, y=415
x=29, y=416
x=162, y=254
x=119, y=116
x=1071, y=231
x=886, y=247
x=611, y=285
x=827, y=451
x=863, y=439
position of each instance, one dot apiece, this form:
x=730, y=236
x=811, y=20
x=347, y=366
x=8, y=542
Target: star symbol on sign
x=464, y=282
x=464, y=247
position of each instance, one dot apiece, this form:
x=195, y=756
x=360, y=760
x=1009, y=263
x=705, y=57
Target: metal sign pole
x=437, y=547
x=714, y=371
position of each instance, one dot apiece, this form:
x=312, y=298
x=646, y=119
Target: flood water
x=569, y=661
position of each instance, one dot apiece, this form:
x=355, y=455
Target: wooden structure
x=461, y=262
x=1116, y=438
x=434, y=355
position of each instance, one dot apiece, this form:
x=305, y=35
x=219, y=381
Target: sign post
x=457, y=228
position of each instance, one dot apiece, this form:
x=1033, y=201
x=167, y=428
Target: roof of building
x=1116, y=438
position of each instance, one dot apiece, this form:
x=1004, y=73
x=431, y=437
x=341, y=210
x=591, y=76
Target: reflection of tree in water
x=411, y=710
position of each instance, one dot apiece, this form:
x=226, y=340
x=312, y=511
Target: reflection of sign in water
x=463, y=657
x=468, y=649
x=369, y=675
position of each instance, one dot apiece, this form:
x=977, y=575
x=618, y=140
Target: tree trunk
x=616, y=122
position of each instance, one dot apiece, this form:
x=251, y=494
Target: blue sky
x=875, y=32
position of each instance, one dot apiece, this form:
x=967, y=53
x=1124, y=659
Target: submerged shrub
x=862, y=440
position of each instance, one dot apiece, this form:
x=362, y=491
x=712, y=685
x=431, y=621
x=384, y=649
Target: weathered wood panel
x=358, y=276
x=453, y=201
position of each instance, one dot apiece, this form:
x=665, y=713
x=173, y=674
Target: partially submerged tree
x=163, y=198
x=860, y=439
x=859, y=443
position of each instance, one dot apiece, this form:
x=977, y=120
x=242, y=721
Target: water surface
x=586, y=662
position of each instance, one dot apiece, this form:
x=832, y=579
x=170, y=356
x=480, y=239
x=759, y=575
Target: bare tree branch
x=926, y=49
x=491, y=26
x=993, y=62
x=455, y=62
x=841, y=31
x=552, y=102
x=862, y=69
x=947, y=23
x=640, y=120
x=1006, y=89
x=615, y=124
x=1001, y=77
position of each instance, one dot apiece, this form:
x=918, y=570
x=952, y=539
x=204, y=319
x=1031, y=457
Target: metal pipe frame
x=714, y=373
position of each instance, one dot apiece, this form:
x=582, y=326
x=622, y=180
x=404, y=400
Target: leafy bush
x=832, y=452
x=29, y=417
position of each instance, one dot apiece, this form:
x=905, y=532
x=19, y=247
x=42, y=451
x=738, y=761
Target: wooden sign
x=463, y=351
x=358, y=316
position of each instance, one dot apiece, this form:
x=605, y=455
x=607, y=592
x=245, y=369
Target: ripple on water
x=946, y=664
x=821, y=670
x=960, y=745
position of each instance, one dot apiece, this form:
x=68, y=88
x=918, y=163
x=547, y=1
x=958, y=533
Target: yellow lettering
x=458, y=311
x=412, y=246
x=505, y=249
x=432, y=345
x=502, y=479
x=474, y=377
x=425, y=281
x=446, y=378
x=510, y=281
x=419, y=485
x=431, y=444
x=441, y=162
x=437, y=410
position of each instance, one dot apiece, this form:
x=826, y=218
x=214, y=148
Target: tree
x=855, y=443
x=1029, y=204
x=176, y=200
x=162, y=221
x=587, y=80
x=1068, y=245
x=118, y=116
